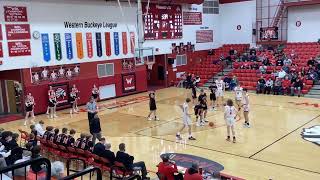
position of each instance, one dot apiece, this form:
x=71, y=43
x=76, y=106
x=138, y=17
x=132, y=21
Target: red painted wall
x=84, y=82
x=10, y=75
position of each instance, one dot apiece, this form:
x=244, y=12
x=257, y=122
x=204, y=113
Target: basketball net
x=150, y=65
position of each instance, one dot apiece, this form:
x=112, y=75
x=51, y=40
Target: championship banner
x=46, y=47
x=79, y=43
x=61, y=91
x=15, y=14
x=116, y=43
x=57, y=46
x=99, y=44
x=132, y=42
x=18, y=31
x=1, y=33
x=108, y=43
x=68, y=39
x=19, y=48
x=129, y=83
x=124, y=43
x=89, y=45
x=1, y=51
x=204, y=36
x=192, y=18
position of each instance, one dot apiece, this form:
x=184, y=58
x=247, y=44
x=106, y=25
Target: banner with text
x=19, y=48
x=68, y=38
x=89, y=45
x=57, y=46
x=124, y=43
x=129, y=83
x=79, y=43
x=108, y=43
x=204, y=36
x=61, y=91
x=99, y=44
x=15, y=14
x=132, y=42
x=46, y=47
x=18, y=31
x=116, y=43
x=1, y=51
x=192, y=18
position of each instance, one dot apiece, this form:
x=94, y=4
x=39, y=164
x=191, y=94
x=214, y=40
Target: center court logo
x=186, y=160
x=312, y=134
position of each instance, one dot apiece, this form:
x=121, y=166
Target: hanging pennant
x=108, y=43
x=132, y=42
x=116, y=43
x=57, y=46
x=68, y=39
x=79, y=43
x=46, y=47
x=99, y=44
x=89, y=45
x=124, y=43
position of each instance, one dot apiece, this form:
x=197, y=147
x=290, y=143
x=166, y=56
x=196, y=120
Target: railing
x=276, y=13
x=16, y=167
x=89, y=171
x=70, y=160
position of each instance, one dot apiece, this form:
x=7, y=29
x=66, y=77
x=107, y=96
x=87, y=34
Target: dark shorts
x=153, y=108
x=52, y=104
x=95, y=96
x=213, y=97
x=194, y=96
x=72, y=100
x=29, y=108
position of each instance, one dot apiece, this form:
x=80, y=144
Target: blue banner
x=46, y=47
x=99, y=44
x=68, y=39
x=116, y=43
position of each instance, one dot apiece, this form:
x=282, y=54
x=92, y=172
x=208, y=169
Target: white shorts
x=246, y=108
x=230, y=121
x=187, y=121
x=219, y=93
x=238, y=98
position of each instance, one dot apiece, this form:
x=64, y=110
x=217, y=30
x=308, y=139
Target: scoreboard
x=162, y=21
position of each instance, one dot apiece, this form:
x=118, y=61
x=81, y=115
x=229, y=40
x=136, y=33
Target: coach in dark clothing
x=127, y=161
x=95, y=128
x=100, y=147
x=109, y=154
x=261, y=85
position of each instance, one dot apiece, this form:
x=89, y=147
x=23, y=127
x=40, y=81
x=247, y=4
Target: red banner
x=19, y=48
x=61, y=91
x=15, y=14
x=132, y=42
x=89, y=45
x=204, y=36
x=129, y=83
x=124, y=43
x=108, y=43
x=1, y=33
x=18, y=31
x=192, y=18
x=1, y=51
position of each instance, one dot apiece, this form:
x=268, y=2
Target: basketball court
x=272, y=148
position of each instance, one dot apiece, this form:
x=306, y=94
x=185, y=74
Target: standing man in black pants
x=92, y=108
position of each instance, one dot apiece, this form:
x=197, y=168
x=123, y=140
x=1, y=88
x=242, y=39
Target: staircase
x=279, y=12
x=314, y=91
x=221, y=74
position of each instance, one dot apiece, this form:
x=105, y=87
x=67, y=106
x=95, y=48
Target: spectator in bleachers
x=279, y=62
x=253, y=51
x=35, y=153
x=233, y=83
x=266, y=62
x=281, y=74
x=312, y=75
x=261, y=85
x=287, y=62
x=293, y=54
x=286, y=85
x=231, y=51
x=263, y=69
x=193, y=173
x=26, y=155
x=167, y=169
x=100, y=147
x=39, y=128
x=277, y=87
x=127, y=161
x=297, y=86
x=311, y=62
x=108, y=154
x=253, y=58
x=57, y=170
x=6, y=137
x=269, y=86
x=255, y=66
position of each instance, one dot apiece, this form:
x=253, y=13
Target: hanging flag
x=99, y=44
x=132, y=42
x=46, y=47
x=68, y=39
x=57, y=46
x=116, y=43
x=108, y=43
x=124, y=43
x=89, y=45
x=79, y=45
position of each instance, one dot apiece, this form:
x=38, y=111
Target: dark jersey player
x=213, y=98
x=152, y=106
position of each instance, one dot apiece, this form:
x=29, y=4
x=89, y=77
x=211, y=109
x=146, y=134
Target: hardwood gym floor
x=271, y=148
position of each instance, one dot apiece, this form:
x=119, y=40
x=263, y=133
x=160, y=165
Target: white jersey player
x=230, y=113
x=246, y=108
x=220, y=91
x=186, y=117
x=238, y=95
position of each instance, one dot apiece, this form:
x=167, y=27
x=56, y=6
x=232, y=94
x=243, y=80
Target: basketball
x=211, y=124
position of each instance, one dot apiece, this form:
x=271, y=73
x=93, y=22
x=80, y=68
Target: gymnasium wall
x=209, y=22
x=308, y=31
x=237, y=14
x=49, y=16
